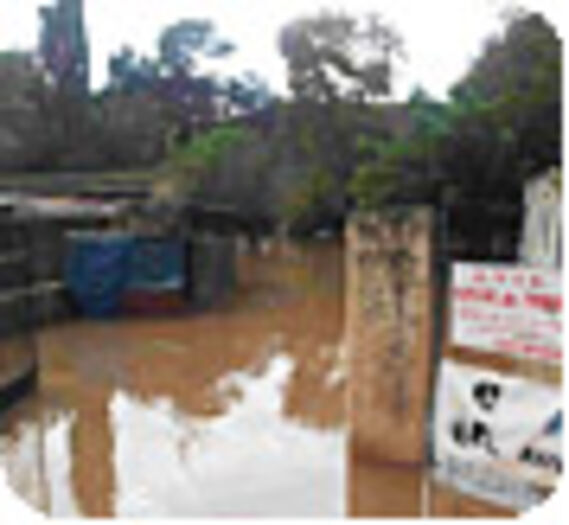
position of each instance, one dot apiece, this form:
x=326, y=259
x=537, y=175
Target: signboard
x=497, y=438
x=508, y=309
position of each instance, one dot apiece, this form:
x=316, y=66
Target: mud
x=237, y=412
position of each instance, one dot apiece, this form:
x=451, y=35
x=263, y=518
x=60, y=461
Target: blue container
x=101, y=270
x=97, y=272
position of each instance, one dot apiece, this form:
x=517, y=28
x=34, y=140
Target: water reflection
x=237, y=412
x=248, y=462
x=37, y=460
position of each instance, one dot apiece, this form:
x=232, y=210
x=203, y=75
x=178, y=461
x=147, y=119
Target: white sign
x=508, y=309
x=542, y=238
x=497, y=437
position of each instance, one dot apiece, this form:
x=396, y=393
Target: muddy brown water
x=235, y=412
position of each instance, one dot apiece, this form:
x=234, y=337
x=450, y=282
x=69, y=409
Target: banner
x=497, y=438
x=508, y=309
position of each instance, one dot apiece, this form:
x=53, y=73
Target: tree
x=192, y=102
x=501, y=125
x=329, y=50
x=130, y=74
x=338, y=67
x=246, y=94
x=230, y=167
x=43, y=127
x=24, y=136
x=195, y=164
x=133, y=130
x=182, y=44
x=63, y=45
x=190, y=97
x=519, y=76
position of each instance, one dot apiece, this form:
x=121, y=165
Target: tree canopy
x=337, y=142
x=501, y=124
x=333, y=55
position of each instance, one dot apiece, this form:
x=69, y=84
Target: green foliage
x=310, y=194
x=501, y=124
x=205, y=151
x=518, y=82
x=431, y=119
x=329, y=147
x=338, y=64
x=218, y=167
x=372, y=184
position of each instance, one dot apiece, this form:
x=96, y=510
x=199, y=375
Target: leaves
x=500, y=125
x=309, y=195
x=335, y=54
x=205, y=151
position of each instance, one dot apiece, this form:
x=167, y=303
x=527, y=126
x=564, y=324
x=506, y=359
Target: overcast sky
x=441, y=36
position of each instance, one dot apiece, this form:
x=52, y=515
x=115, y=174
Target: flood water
x=236, y=412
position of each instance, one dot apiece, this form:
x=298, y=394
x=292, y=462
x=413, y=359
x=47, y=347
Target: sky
x=442, y=37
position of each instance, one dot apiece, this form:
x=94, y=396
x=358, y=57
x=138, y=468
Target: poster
x=508, y=309
x=497, y=438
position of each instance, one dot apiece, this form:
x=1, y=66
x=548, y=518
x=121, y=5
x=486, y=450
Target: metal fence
x=18, y=352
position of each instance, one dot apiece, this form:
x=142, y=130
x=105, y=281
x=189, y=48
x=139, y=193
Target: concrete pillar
x=389, y=324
